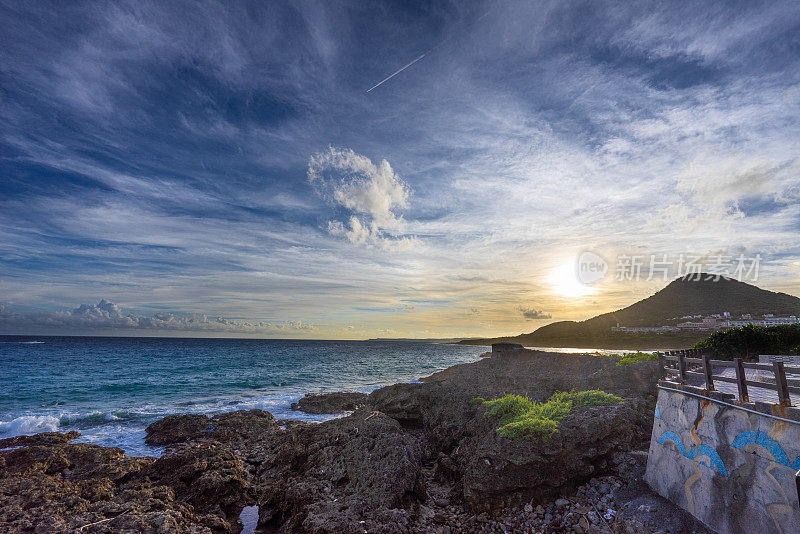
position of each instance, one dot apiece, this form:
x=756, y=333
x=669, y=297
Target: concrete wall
x=733, y=470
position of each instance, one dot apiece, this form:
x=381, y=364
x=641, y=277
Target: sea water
x=109, y=389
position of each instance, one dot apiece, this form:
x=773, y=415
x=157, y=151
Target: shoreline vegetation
x=521, y=417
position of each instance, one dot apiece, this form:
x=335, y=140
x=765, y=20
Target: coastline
x=616, y=342
x=416, y=457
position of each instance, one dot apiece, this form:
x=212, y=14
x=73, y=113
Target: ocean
x=109, y=389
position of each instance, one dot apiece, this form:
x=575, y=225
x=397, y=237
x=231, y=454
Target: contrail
x=397, y=72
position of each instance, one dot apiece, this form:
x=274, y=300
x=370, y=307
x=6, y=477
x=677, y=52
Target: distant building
x=712, y=322
x=768, y=320
x=694, y=326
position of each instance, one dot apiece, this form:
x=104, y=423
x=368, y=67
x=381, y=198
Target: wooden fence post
x=682, y=366
x=741, y=380
x=708, y=371
x=780, y=381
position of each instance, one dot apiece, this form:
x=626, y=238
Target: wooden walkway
x=774, y=383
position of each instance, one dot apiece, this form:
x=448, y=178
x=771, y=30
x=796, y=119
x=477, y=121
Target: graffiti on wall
x=706, y=460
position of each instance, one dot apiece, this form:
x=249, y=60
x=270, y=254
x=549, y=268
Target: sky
x=387, y=169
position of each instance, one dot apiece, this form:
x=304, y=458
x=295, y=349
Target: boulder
x=334, y=402
x=499, y=471
x=231, y=427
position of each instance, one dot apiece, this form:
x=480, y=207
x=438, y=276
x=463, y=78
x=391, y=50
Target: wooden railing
x=682, y=364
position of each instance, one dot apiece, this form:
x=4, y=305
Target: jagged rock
x=209, y=476
x=289, y=423
x=361, y=472
x=241, y=425
x=334, y=402
x=177, y=429
x=370, y=471
x=50, y=485
x=501, y=471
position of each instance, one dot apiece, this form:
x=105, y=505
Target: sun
x=564, y=281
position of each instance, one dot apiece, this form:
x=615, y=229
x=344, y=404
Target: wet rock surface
x=418, y=458
x=327, y=403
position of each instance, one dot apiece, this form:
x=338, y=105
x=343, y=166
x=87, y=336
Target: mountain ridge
x=681, y=297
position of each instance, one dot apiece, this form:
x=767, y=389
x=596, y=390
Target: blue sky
x=220, y=168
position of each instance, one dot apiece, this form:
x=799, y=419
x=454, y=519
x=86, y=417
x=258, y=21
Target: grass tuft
x=520, y=417
x=628, y=358
x=508, y=408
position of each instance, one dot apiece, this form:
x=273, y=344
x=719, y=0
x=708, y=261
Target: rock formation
x=419, y=457
x=334, y=402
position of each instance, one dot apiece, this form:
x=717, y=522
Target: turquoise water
x=110, y=389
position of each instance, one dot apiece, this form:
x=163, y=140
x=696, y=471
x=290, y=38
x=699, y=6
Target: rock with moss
x=500, y=469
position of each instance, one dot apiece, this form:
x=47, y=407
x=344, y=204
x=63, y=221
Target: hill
x=681, y=297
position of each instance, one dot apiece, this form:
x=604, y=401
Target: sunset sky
x=200, y=169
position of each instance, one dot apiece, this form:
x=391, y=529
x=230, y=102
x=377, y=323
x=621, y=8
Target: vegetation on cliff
x=628, y=358
x=749, y=341
x=520, y=417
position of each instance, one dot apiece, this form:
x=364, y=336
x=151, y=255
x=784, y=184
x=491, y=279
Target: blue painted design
x=210, y=429
x=796, y=464
x=658, y=412
x=697, y=451
x=673, y=437
x=760, y=438
x=705, y=450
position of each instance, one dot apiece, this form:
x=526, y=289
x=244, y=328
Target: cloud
x=108, y=316
x=533, y=314
x=373, y=195
x=152, y=155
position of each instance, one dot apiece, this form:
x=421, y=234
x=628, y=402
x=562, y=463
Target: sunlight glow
x=564, y=281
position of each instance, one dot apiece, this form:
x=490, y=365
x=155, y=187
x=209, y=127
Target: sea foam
x=28, y=424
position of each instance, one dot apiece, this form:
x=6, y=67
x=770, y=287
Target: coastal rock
x=499, y=471
x=209, y=476
x=177, y=429
x=238, y=426
x=327, y=403
x=419, y=457
x=50, y=485
x=357, y=473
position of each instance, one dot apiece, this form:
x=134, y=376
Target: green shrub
x=749, y=341
x=635, y=357
x=589, y=397
x=627, y=358
x=508, y=408
x=520, y=417
x=530, y=428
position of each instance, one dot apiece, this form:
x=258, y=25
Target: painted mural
x=738, y=460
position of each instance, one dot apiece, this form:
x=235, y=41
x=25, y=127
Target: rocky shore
x=414, y=458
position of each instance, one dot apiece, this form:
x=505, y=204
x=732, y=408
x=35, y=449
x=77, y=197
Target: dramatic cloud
x=108, y=316
x=374, y=195
x=171, y=156
x=533, y=314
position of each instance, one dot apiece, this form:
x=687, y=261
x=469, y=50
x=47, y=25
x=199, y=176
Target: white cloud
x=373, y=195
x=107, y=315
